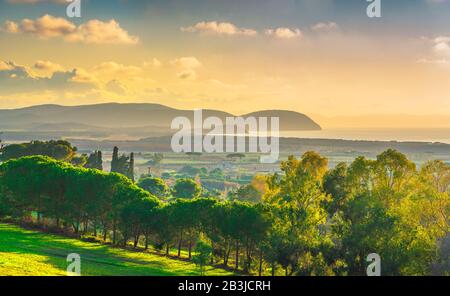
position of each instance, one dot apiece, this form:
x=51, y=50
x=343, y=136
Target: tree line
x=311, y=220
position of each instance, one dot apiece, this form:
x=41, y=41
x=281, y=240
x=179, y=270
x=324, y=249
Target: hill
x=137, y=120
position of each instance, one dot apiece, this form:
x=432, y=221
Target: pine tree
x=95, y=161
x=99, y=160
x=131, y=167
x=115, y=160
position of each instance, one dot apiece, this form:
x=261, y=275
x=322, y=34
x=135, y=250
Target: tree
x=122, y=164
x=60, y=150
x=313, y=163
x=335, y=184
x=130, y=173
x=203, y=253
x=305, y=224
x=155, y=186
x=371, y=229
x=393, y=211
x=137, y=215
x=189, y=171
x=186, y=188
x=148, y=217
x=298, y=200
x=165, y=230
x=393, y=171
x=115, y=160
x=95, y=161
x=79, y=160
x=246, y=193
x=437, y=174
x=184, y=220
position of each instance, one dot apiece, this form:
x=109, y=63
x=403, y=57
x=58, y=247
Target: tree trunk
x=260, y=262
x=39, y=211
x=248, y=256
x=190, y=249
x=104, y=234
x=167, y=249
x=273, y=268
x=95, y=228
x=146, y=242
x=136, y=241
x=179, y=243
x=227, y=254
x=212, y=253
x=114, y=234
x=237, y=256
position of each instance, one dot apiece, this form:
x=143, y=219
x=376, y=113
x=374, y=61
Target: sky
x=323, y=57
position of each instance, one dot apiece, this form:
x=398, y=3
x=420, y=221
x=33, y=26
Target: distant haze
x=386, y=121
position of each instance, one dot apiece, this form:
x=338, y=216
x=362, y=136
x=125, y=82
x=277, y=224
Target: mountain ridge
x=128, y=115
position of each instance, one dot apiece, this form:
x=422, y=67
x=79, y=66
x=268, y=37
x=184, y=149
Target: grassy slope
x=24, y=252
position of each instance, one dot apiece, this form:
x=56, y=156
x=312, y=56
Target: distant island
x=119, y=121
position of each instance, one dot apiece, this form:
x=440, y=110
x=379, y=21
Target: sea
x=433, y=135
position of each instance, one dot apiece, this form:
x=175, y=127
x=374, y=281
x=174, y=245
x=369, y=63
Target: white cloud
x=114, y=69
x=284, y=33
x=325, y=27
x=439, y=51
x=442, y=45
x=187, y=62
x=10, y=27
x=91, y=32
x=187, y=66
x=219, y=28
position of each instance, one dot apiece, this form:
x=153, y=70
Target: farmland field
x=30, y=253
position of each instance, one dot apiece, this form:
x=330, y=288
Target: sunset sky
x=313, y=56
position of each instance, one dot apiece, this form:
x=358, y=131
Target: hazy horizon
x=362, y=121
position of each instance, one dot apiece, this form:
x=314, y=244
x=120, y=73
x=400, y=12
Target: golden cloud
x=284, y=33
x=219, y=28
x=91, y=32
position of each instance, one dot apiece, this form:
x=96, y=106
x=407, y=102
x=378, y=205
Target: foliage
x=155, y=186
x=203, y=253
x=95, y=161
x=311, y=220
x=186, y=188
x=61, y=150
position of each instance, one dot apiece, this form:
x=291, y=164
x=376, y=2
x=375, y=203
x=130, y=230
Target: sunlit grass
x=24, y=252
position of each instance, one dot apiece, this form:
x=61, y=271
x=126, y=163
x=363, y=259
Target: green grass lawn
x=25, y=252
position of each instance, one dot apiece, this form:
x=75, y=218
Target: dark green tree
x=186, y=188
x=202, y=255
x=155, y=186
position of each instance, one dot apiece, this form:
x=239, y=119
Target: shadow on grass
x=96, y=259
